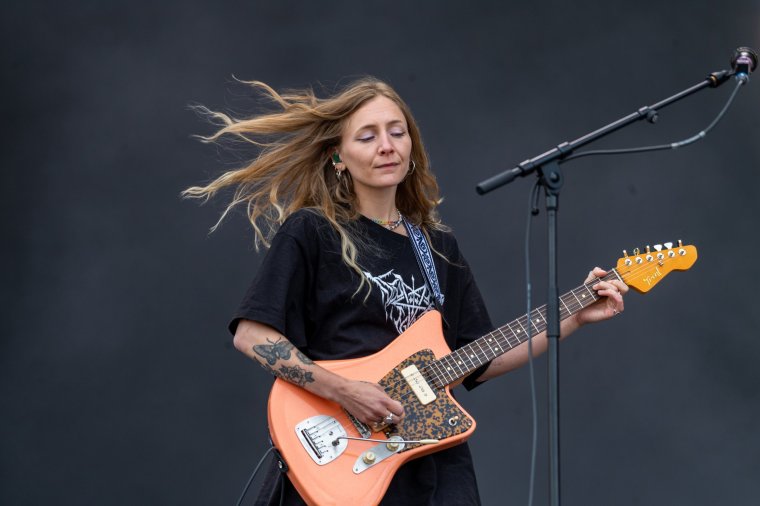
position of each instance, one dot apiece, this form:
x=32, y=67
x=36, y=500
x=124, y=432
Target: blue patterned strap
x=425, y=260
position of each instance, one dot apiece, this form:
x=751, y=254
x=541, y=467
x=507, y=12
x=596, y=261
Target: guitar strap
x=422, y=252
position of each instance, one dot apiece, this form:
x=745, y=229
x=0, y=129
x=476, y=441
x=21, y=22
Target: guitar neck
x=466, y=359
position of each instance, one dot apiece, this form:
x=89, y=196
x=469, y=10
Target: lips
x=385, y=165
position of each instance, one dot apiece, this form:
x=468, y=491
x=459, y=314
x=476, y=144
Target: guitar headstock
x=642, y=270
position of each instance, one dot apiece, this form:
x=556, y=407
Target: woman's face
x=375, y=146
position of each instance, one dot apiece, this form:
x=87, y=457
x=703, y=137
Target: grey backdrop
x=118, y=381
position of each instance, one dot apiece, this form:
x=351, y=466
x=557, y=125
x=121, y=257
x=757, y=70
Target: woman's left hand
x=611, y=302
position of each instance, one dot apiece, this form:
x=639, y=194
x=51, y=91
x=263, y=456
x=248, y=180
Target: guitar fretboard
x=466, y=359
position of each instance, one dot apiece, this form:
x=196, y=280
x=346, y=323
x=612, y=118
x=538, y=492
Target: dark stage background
x=118, y=380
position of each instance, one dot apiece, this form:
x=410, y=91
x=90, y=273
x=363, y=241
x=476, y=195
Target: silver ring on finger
x=389, y=418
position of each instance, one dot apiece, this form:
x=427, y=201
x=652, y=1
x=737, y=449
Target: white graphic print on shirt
x=403, y=303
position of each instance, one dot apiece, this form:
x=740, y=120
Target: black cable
x=253, y=475
x=673, y=145
x=533, y=205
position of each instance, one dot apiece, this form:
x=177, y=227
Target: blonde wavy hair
x=294, y=171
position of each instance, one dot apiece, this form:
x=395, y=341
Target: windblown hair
x=293, y=169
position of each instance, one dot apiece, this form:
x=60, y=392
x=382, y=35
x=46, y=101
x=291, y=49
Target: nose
x=386, y=144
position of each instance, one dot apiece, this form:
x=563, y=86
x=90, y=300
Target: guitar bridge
x=319, y=437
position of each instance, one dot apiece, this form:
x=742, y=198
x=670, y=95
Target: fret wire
x=590, y=291
x=576, y=298
x=499, y=347
x=509, y=343
x=436, y=367
x=517, y=330
x=524, y=323
x=483, y=354
x=446, y=367
x=534, y=326
x=479, y=352
x=522, y=327
x=542, y=325
x=450, y=365
x=468, y=355
x=458, y=364
x=514, y=333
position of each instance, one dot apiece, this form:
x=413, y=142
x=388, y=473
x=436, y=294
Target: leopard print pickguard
x=438, y=420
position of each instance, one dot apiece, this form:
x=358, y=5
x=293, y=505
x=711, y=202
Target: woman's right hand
x=369, y=403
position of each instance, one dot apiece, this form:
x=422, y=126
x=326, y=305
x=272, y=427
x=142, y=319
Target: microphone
x=744, y=62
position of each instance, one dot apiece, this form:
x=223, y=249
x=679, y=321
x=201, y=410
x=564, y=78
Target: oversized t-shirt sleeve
x=276, y=296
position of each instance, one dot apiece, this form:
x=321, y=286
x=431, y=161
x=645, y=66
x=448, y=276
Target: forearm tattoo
x=281, y=350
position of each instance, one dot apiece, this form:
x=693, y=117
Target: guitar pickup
x=417, y=383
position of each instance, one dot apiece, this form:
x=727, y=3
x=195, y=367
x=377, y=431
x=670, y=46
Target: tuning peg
x=680, y=243
x=658, y=247
x=627, y=260
x=636, y=251
x=668, y=245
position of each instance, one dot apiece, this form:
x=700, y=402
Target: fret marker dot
x=583, y=296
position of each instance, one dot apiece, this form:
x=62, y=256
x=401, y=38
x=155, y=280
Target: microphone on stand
x=744, y=62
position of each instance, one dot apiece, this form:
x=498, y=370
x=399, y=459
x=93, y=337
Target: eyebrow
x=374, y=125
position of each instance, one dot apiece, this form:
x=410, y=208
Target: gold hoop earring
x=410, y=171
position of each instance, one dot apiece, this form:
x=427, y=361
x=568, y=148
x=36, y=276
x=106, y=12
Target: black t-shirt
x=304, y=290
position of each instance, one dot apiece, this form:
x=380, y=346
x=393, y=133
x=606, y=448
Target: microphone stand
x=547, y=167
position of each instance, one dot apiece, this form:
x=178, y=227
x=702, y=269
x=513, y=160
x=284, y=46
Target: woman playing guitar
x=339, y=185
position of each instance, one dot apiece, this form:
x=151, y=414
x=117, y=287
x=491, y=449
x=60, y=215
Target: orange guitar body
x=336, y=482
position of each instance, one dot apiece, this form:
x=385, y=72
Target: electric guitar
x=334, y=459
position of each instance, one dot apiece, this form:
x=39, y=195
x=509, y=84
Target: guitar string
x=440, y=382
x=571, y=308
